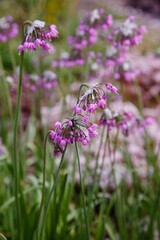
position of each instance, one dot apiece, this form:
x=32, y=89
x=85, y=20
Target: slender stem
x=15, y=133
x=116, y=64
x=103, y=158
x=79, y=93
x=87, y=65
x=7, y=97
x=139, y=96
x=96, y=185
x=83, y=198
x=50, y=195
x=152, y=217
x=2, y=237
x=43, y=188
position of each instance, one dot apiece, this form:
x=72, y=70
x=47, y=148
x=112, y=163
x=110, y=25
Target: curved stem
x=15, y=133
x=43, y=188
x=82, y=85
x=50, y=195
x=83, y=198
x=2, y=237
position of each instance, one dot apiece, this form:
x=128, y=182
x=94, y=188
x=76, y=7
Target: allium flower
x=75, y=129
x=93, y=98
x=8, y=29
x=47, y=82
x=36, y=34
x=127, y=122
x=127, y=34
x=87, y=34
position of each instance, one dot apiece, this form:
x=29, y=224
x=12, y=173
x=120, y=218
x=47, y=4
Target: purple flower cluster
x=36, y=34
x=93, y=98
x=128, y=73
x=87, y=31
x=8, y=29
x=120, y=36
x=127, y=34
x=47, y=81
x=76, y=129
x=87, y=34
x=127, y=122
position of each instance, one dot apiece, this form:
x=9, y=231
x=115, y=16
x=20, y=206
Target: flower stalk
x=50, y=195
x=83, y=197
x=15, y=134
x=43, y=187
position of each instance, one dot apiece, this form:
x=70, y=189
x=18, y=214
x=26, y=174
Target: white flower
x=128, y=27
x=94, y=67
x=9, y=79
x=64, y=55
x=111, y=51
x=38, y=23
x=49, y=76
x=3, y=23
x=126, y=66
x=94, y=15
x=34, y=77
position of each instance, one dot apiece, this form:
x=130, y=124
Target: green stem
x=139, y=96
x=83, y=198
x=50, y=195
x=2, y=237
x=43, y=188
x=79, y=92
x=87, y=65
x=8, y=97
x=152, y=218
x=15, y=133
x=96, y=185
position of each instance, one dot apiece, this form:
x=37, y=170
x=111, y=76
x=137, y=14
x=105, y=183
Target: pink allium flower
x=8, y=29
x=85, y=119
x=73, y=130
x=95, y=96
x=36, y=34
x=112, y=88
x=101, y=103
x=58, y=125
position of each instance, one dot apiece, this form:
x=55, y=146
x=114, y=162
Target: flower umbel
x=93, y=98
x=36, y=34
x=8, y=29
x=76, y=129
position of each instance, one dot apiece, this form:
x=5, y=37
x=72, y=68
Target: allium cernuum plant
x=37, y=33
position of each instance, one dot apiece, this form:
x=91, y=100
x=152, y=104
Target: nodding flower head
x=8, y=29
x=36, y=34
x=76, y=129
x=124, y=121
x=93, y=98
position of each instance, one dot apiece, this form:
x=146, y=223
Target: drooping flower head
x=94, y=97
x=77, y=129
x=126, y=122
x=36, y=34
x=8, y=29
